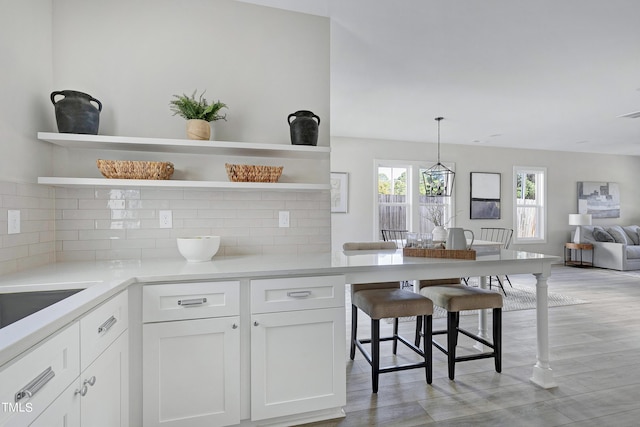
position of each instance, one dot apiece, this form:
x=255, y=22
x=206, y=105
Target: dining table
x=365, y=266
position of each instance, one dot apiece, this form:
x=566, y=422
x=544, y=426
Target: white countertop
x=106, y=278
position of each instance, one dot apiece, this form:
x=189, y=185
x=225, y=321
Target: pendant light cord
x=438, y=119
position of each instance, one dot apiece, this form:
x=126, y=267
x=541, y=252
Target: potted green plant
x=198, y=113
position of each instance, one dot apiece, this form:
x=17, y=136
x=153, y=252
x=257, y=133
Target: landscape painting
x=600, y=199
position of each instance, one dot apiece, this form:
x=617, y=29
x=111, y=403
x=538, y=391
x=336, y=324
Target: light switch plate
x=13, y=222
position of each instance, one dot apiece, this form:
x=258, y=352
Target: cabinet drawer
x=102, y=326
x=34, y=380
x=181, y=301
x=296, y=293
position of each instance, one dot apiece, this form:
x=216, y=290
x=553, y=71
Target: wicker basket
x=133, y=169
x=253, y=173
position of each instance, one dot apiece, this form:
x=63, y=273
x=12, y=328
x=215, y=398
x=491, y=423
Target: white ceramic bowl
x=198, y=248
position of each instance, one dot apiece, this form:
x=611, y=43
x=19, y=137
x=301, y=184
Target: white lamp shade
x=579, y=219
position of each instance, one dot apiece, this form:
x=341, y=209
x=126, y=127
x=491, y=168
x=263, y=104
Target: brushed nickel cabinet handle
x=299, y=294
x=192, y=302
x=35, y=385
x=107, y=324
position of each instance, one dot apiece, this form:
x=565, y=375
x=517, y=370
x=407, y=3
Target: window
x=530, y=204
x=401, y=200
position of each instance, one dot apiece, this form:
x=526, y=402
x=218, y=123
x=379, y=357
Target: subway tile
x=85, y=245
x=68, y=256
x=74, y=193
x=117, y=193
x=76, y=224
x=189, y=204
x=148, y=204
x=133, y=244
x=161, y=194
x=33, y=190
x=102, y=234
x=85, y=214
x=16, y=240
x=196, y=194
x=41, y=248
x=148, y=233
x=8, y=188
x=114, y=254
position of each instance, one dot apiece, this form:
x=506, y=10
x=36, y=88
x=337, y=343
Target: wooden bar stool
x=386, y=300
x=456, y=298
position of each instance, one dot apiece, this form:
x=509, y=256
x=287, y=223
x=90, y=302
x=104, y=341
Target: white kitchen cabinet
x=32, y=382
x=297, y=346
x=106, y=401
x=191, y=364
x=99, y=397
x=77, y=377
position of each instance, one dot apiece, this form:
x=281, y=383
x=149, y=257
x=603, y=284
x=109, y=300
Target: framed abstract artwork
x=339, y=192
x=485, y=195
x=600, y=199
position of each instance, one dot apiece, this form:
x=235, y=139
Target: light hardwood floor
x=595, y=356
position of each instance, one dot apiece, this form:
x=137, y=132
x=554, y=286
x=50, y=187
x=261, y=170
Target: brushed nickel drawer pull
x=107, y=324
x=36, y=384
x=299, y=294
x=192, y=302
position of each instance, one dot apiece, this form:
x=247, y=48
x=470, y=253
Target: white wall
x=25, y=54
x=356, y=156
x=264, y=63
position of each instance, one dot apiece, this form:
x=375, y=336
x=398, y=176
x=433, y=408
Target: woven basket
x=253, y=173
x=133, y=169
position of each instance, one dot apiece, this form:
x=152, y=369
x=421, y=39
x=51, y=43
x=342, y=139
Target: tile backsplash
x=35, y=244
x=86, y=223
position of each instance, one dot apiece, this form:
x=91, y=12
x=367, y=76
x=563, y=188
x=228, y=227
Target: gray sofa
x=614, y=247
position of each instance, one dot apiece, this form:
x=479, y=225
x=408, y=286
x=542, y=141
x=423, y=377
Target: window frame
x=413, y=197
x=540, y=205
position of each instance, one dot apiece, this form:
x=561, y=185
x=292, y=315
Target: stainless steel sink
x=16, y=306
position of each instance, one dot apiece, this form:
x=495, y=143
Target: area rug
x=521, y=297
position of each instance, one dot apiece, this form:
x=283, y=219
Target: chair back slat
x=397, y=236
x=495, y=234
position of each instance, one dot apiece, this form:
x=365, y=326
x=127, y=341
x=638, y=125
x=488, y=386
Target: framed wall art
x=600, y=199
x=339, y=192
x=485, y=195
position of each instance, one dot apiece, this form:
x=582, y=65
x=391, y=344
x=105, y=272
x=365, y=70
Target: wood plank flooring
x=595, y=357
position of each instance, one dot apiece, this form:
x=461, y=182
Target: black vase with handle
x=75, y=112
x=304, y=128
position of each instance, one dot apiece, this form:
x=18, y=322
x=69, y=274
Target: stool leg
x=354, y=330
x=395, y=335
x=452, y=340
x=497, y=337
x=418, y=328
x=375, y=353
x=428, y=348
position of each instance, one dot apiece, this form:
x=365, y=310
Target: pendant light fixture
x=438, y=179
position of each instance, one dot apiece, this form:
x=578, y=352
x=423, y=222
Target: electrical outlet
x=166, y=219
x=13, y=222
x=283, y=219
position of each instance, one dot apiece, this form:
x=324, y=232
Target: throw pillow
x=619, y=235
x=632, y=232
x=602, y=236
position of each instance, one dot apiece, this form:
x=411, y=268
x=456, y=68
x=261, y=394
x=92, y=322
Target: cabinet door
x=63, y=412
x=106, y=401
x=297, y=362
x=191, y=373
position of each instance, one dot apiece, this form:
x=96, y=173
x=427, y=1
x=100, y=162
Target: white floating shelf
x=161, y=145
x=104, y=182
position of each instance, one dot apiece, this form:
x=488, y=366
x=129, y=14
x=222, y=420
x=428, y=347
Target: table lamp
x=579, y=219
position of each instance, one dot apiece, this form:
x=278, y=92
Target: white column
x=542, y=373
x=482, y=321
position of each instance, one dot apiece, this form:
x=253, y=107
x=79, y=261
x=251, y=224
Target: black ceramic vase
x=304, y=128
x=75, y=113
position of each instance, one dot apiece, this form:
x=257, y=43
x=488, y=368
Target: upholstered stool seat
x=457, y=298
x=386, y=300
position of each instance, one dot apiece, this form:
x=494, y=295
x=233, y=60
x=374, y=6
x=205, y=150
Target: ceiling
x=543, y=74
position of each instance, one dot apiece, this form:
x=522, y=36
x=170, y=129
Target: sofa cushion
x=602, y=236
x=632, y=232
x=633, y=252
x=619, y=235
